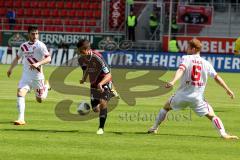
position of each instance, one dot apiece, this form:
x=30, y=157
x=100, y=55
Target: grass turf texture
x=183, y=135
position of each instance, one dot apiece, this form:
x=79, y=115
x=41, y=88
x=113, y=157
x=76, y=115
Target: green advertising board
x=14, y=39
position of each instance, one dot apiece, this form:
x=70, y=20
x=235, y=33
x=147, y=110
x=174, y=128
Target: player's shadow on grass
x=162, y=134
x=41, y=130
x=6, y=122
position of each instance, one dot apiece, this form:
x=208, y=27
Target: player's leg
x=160, y=117
x=204, y=109
x=102, y=115
x=99, y=102
x=21, y=93
x=217, y=123
x=41, y=89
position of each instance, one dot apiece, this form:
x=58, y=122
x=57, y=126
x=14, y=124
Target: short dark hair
x=81, y=42
x=32, y=28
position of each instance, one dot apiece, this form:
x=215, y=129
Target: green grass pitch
x=183, y=135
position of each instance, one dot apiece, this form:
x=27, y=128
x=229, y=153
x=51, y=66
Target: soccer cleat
x=19, y=122
x=47, y=84
x=230, y=137
x=152, y=130
x=100, y=131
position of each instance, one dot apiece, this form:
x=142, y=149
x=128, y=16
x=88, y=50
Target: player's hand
x=231, y=94
x=169, y=85
x=34, y=65
x=81, y=81
x=100, y=88
x=9, y=72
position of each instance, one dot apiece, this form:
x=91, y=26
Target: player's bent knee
x=21, y=92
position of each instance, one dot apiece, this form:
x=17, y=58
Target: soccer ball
x=83, y=108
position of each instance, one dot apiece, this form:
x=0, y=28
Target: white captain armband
x=105, y=70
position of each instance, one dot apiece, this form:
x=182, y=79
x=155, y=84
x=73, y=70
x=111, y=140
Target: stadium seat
x=60, y=4
x=28, y=12
x=57, y=22
x=97, y=14
x=74, y=22
x=39, y=21
x=62, y=13
x=40, y=28
x=77, y=29
x=17, y=4
x=85, y=6
x=87, y=29
x=82, y=23
x=91, y=23
x=54, y=13
x=45, y=13
x=18, y=27
x=3, y=12
x=59, y=28
x=69, y=29
x=37, y=12
x=71, y=13
x=43, y=4
x=26, y=4
x=35, y=4
x=51, y=4
x=49, y=28
x=68, y=5
x=77, y=5
x=98, y=29
x=90, y=14
x=6, y=27
x=48, y=21
x=8, y=3
x=29, y=21
x=1, y=3
x=80, y=14
x=66, y=22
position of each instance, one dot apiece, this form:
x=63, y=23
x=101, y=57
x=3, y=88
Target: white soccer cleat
x=230, y=137
x=152, y=130
x=100, y=131
x=19, y=122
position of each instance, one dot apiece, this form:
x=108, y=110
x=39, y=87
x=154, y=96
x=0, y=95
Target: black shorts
x=96, y=96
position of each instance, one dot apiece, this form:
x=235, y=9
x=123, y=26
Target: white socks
x=45, y=93
x=21, y=108
x=219, y=126
x=160, y=117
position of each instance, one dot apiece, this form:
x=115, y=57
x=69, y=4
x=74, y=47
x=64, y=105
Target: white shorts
x=199, y=106
x=37, y=85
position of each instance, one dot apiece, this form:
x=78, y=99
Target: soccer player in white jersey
x=193, y=72
x=34, y=54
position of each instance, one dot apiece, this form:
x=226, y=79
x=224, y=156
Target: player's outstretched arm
x=221, y=82
x=14, y=63
x=177, y=76
x=107, y=78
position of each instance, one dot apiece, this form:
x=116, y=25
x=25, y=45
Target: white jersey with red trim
x=194, y=80
x=32, y=53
